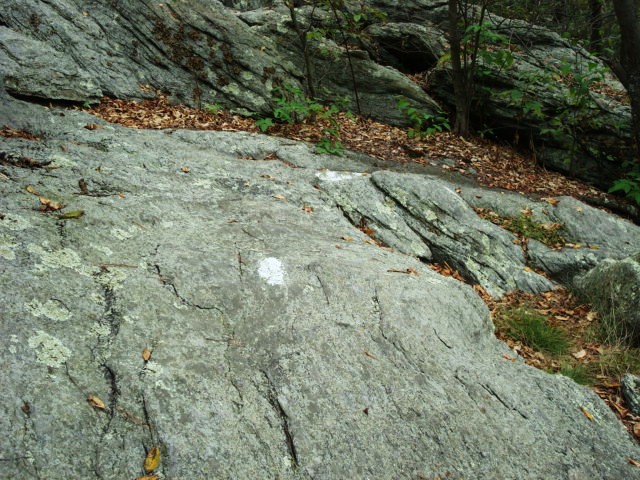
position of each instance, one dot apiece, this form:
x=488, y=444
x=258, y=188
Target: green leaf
x=71, y=215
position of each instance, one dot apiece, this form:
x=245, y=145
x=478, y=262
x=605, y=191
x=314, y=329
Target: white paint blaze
x=272, y=271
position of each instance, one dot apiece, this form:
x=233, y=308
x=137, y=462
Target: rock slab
x=280, y=342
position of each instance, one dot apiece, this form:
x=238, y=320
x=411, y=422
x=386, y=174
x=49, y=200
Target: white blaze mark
x=271, y=270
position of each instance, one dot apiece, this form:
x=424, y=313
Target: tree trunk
x=627, y=15
x=460, y=75
x=595, y=24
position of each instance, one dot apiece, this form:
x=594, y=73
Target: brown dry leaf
x=346, y=239
x=587, y=413
x=185, y=169
x=96, y=403
x=146, y=354
x=279, y=196
x=581, y=354
x=636, y=430
x=633, y=462
x=267, y=176
x=307, y=209
x=92, y=126
x=552, y=201
x=152, y=460
x=49, y=205
x=31, y=189
x=507, y=357
x=148, y=477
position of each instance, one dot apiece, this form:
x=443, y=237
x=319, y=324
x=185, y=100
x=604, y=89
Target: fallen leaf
x=49, y=205
x=587, y=413
x=96, y=403
x=507, y=357
x=26, y=408
x=307, y=209
x=70, y=215
x=636, y=430
x=152, y=461
x=581, y=354
x=121, y=195
x=30, y=188
x=552, y=201
x=267, y=176
x=346, y=239
x=408, y=271
x=146, y=354
x=633, y=462
x=148, y=477
x=185, y=169
x=279, y=196
x=365, y=410
x=92, y=126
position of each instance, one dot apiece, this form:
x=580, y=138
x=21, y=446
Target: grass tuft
x=525, y=325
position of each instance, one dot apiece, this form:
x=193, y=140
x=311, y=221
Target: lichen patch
x=54, y=310
x=49, y=350
x=14, y=222
x=6, y=247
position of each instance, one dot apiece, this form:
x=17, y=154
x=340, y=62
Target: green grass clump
x=616, y=361
x=525, y=325
x=578, y=373
x=524, y=225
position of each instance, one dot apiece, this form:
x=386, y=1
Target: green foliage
x=579, y=373
x=617, y=361
x=523, y=224
x=525, y=325
x=213, y=108
x=423, y=123
x=264, y=123
x=630, y=186
x=292, y=106
x=490, y=47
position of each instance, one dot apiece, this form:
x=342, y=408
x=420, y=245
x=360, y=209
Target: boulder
x=423, y=216
x=378, y=87
x=631, y=392
x=196, y=53
x=537, y=103
x=193, y=52
x=32, y=68
x=613, y=287
x=213, y=303
x=593, y=235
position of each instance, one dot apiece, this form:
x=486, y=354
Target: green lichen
x=49, y=350
x=64, y=257
x=6, y=247
x=14, y=222
x=53, y=310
